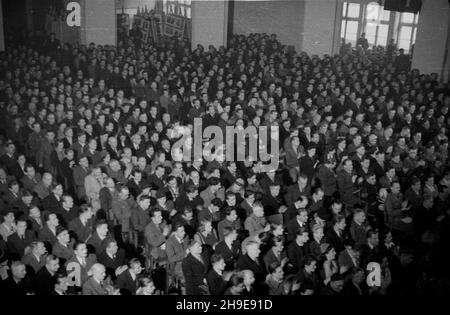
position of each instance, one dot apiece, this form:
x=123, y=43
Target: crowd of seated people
x=94, y=202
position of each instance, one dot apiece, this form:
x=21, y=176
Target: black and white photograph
x=225, y=152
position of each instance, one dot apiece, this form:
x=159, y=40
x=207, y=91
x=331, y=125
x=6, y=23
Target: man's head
x=18, y=270
x=179, y=231
x=249, y=277
x=195, y=248
x=372, y=237
x=63, y=236
x=258, y=209
x=61, y=282
x=80, y=250
x=47, y=179
x=309, y=263
x=302, y=236
x=302, y=215
x=51, y=219
x=135, y=266
x=359, y=216
x=217, y=262
x=101, y=226
x=98, y=272
x=52, y=263
x=38, y=249
x=253, y=250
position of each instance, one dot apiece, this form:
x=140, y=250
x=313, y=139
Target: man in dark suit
x=52, y=202
x=44, y=278
x=194, y=267
x=35, y=259
x=67, y=212
x=15, y=284
x=48, y=233
x=335, y=235
x=113, y=258
x=127, y=280
x=81, y=227
x=31, y=178
x=60, y=283
x=63, y=247
x=97, y=242
x=298, y=249
x=23, y=205
x=300, y=221
x=229, y=248
x=216, y=278
x=301, y=188
x=18, y=241
x=370, y=251
x=34, y=220
x=251, y=261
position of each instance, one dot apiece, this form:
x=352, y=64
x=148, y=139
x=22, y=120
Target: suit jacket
x=50, y=203
x=112, y=264
x=90, y=261
x=16, y=246
x=139, y=218
x=29, y=183
x=292, y=227
x=82, y=232
x=31, y=260
x=44, y=282
x=65, y=217
x=327, y=180
x=270, y=258
x=194, y=273
x=126, y=283
x=176, y=251
x=216, y=284
x=293, y=193
x=9, y=198
x=9, y=287
x=245, y=262
x=41, y=190
x=229, y=255
x=79, y=174
x=92, y=287
x=34, y=226
x=63, y=252
x=47, y=236
x=297, y=253
x=95, y=244
x=336, y=241
x=155, y=238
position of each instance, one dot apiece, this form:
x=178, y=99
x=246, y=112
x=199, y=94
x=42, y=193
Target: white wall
x=2, y=33
x=319, y=26
x=284, y=18
x=99, y=23
x=306, y=24
x=432, y=32
x=209, y=23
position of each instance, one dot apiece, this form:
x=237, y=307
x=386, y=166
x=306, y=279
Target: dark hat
x=311, y=146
